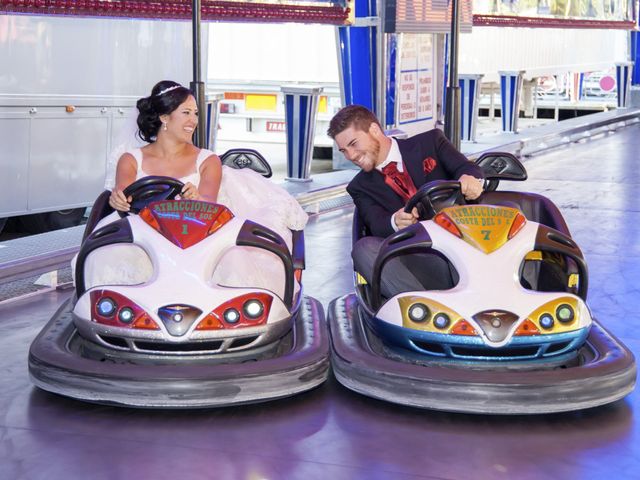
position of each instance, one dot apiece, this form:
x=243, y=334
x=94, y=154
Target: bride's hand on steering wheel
x=118, y=201
x=189, y=192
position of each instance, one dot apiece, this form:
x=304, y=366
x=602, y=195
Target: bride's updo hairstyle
x=165, y=97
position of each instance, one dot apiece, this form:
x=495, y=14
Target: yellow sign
x=260, y=101
x=485, y=227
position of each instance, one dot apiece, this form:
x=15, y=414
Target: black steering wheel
x=151, y=189
x=434, y=196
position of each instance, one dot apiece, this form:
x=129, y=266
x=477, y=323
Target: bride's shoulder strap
x=202, y=156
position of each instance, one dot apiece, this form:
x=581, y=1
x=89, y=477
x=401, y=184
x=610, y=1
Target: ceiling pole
x=452, y=109
x=197, y=85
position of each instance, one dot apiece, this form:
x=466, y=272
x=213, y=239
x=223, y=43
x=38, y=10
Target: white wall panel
x=14, y=177
x=91, y=56
x=540, y=51
x=68, y=159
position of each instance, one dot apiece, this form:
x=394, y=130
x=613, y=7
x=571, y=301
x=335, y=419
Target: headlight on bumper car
x=424, y=314
x=418, y=312
x=115, y=310
x=248, y=310
x=557, y=327
x=564, y=314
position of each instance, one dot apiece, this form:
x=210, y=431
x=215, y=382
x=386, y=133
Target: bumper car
x=504, y=330
x=163, y=333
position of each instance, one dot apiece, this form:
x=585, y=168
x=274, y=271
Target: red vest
x=399, y=182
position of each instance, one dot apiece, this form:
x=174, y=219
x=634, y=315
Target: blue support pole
x=635, y=51
x=358, y=60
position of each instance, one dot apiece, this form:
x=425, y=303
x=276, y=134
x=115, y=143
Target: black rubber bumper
x=56, y=366
x=605, y=373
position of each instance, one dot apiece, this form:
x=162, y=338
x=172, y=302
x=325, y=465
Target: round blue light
x=441, y=320
x=546, y=321
x=125, y=315
x=106, y=307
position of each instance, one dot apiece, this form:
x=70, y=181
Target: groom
x=391, y=172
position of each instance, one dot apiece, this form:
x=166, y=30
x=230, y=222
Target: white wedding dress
x=248, y=195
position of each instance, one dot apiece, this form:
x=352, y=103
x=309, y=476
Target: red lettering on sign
x=276, y=127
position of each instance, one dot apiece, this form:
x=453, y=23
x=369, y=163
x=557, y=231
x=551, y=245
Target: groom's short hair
x=355, y=116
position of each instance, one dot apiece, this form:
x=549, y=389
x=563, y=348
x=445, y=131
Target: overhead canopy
x=318, y=11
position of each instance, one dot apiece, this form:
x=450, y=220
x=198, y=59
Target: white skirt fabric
x=249, y=195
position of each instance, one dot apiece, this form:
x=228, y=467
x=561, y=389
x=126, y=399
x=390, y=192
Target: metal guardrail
x=325, y=199
x=38, y=254
x=553, y=135
x=36, y=264
x=584, y=130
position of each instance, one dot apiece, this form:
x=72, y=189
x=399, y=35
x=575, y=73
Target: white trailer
x=66, y=86
x=68, y=83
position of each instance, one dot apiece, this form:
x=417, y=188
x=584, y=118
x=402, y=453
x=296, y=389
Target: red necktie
x=399, y=182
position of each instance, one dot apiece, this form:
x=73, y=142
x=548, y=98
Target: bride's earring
x=164, y=126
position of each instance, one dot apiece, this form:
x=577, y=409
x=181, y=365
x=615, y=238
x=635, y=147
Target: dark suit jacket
x=377, y=202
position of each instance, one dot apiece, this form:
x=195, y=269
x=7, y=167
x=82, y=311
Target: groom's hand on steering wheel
x=189, y=192
x=119, y=202
x=403, y=219
x=470, y=186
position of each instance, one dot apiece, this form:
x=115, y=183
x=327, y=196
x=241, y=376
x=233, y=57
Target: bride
x=166, y=121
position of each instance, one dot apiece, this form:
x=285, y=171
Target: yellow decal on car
x=485, y=227
x=421, y=313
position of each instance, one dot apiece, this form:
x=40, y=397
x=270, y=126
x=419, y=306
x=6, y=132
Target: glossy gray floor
x=332, y=433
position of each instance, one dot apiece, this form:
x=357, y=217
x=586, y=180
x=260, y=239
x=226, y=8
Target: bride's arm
x=126, y=172
x=210, y=177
